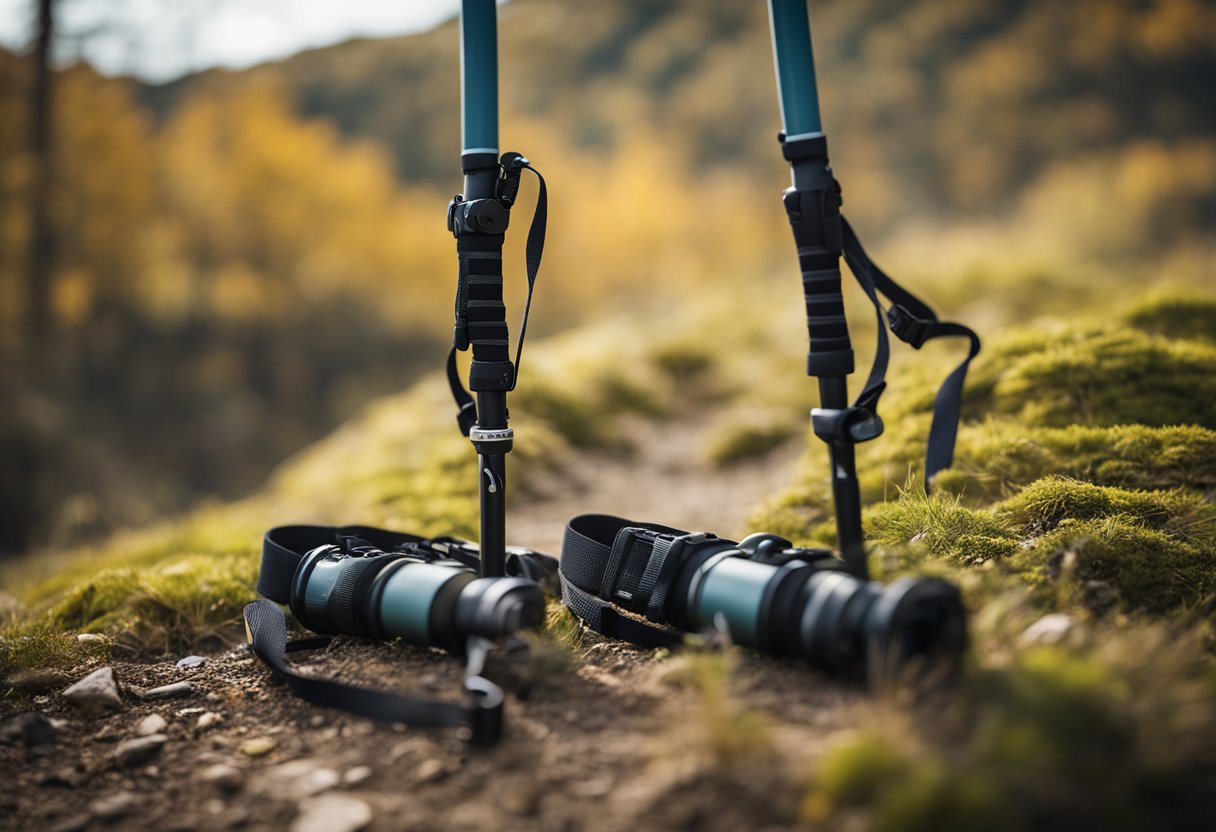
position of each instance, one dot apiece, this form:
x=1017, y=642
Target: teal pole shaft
x=479, y=76
x=795, y=62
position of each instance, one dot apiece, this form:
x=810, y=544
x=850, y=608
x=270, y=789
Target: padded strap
x=606, y=555
x=285, y=546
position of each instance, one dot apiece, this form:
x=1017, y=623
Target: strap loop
x=915, y=323
x=266, y=630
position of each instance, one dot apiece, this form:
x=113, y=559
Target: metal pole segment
x=480, y=164
x=795, y=65
x=846, y=493
x=809, y=196
x=479, y=76
x=492, y=483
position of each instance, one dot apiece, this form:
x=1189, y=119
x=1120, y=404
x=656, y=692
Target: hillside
x=253, y=273
x=243, y=258
x=939, y=107
x=1085, y=551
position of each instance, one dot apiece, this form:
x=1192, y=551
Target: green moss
x=796, y=514
x=42, y=646
x=175, y=605
x=997, y=457
x=747, y=435
x=856, y=772
x=687, y=362
x=563, y=627
x=1110, y=378
x=940, y=527
x=873, y=772
x=1093, y=735
x=933, y=799
x=1119, y=561
x=733, y=736
x=1176, y=314
x=1044, y=504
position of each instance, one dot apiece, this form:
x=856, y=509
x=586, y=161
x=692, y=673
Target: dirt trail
x=612, y=740
x=662, y=479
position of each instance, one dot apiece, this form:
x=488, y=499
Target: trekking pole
x=478, y=218
x=812, y=204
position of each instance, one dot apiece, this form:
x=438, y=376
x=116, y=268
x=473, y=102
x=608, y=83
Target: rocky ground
x=599, y=736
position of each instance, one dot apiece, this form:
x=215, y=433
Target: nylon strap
x=594, y=550
x=915, y=323
x=266, y=629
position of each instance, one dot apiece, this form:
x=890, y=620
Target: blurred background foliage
x=241, y=259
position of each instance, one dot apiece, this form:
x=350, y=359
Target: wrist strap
x=266, y=630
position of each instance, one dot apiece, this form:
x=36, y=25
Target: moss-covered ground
x=1082, y=485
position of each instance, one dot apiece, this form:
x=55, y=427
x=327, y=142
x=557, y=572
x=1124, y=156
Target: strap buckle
x=907, y=327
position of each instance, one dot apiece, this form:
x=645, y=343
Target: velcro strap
x=608, y=559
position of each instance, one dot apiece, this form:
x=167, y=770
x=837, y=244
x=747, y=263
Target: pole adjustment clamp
x=850, y=425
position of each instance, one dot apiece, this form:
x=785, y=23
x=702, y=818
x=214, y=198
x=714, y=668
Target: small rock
x=356, y=775
x=190, y=662
x=114, y=806
x=257, y=747
x=294, y=780
x=430, y=770
x=75, y=823
x=95, y=692
x=206, y=720
x=36, y=681
x=151, y=724
x=139, y=750
x=29, y=729
x=169, y=691
x=237, y=816
x=331, y=813
x=89, y=639
x=595, y=787
x=224, y=777
x=67, y=777
x=118, y=650
x=1050, y=629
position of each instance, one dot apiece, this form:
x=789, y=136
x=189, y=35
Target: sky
x=159, y=40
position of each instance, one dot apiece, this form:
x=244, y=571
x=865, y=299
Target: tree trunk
x=40, y=265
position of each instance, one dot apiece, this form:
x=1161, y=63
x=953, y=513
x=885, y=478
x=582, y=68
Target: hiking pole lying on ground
x=372, y=583
x=625, y=579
